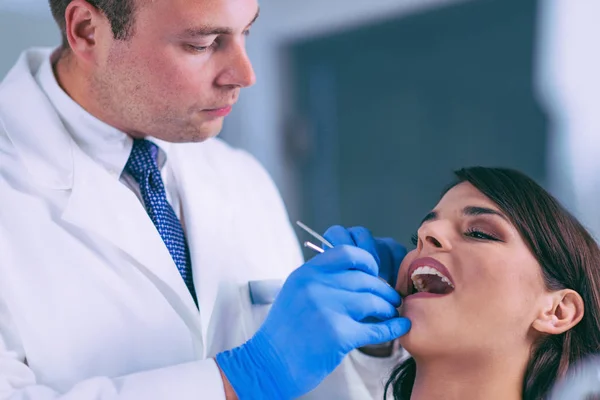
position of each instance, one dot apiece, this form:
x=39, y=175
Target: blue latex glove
x=314, y=322
x=387, y=252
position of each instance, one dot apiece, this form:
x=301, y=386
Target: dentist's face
x=479, y=286
x=180, y=72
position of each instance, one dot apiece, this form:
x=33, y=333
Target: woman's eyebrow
x=474, y=211
x=429, y=217
x=471, y=211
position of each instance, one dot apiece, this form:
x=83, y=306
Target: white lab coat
x=92, y=306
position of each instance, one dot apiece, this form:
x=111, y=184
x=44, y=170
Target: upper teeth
x=418, y=282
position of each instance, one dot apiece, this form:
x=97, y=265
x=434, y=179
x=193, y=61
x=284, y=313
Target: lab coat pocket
x=260, y=295
x=265, y=291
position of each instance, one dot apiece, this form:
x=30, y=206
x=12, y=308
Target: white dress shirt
x=106, y=145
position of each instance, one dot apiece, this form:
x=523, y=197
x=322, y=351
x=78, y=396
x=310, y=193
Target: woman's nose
x=435, y=235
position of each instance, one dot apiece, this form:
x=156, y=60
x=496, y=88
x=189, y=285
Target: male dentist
x=129, y=234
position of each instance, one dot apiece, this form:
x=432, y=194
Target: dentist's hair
x=569, y=258
x=119, y=13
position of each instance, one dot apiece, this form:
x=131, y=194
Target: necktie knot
x=142, y=160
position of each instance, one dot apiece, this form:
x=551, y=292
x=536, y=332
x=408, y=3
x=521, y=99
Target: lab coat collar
x=101, y=204
x=97, y=202
x=32, y=125
x=36, y=128
x=104, y=143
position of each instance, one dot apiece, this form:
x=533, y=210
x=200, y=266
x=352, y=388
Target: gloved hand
x=387, y=252
x=313, y=323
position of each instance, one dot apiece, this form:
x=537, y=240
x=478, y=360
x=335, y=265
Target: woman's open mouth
x=428, y=275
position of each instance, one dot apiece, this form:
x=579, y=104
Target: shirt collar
x=105, y=144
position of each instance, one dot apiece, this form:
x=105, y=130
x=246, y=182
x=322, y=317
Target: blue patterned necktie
x=143, y=167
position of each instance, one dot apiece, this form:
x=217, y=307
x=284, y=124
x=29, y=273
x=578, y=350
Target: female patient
x=503, y=291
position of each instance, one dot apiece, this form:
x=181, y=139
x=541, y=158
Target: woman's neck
x=490, y=379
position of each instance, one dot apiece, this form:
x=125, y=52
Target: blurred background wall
x=24, y=23
x=363, y=108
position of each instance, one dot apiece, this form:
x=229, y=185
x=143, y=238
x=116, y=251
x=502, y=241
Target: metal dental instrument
x=314, y=247
x=320, y=238
x=316, y=236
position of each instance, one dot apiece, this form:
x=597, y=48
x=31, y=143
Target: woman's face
x=490, y=290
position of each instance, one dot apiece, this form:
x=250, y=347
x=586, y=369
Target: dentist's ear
x=86, y=28
x=562, y=310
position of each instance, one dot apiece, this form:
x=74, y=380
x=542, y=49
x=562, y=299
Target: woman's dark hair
x=569, y=258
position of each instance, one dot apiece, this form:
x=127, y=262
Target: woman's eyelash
x=415, y=239
x=477, y=234
x=472, y=232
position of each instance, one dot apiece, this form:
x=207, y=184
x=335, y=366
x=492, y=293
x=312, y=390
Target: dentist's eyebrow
x=202, y=31
x=205, y=31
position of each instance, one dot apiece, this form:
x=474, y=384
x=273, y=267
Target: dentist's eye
x=201, y=49
x=477, y=234
x=415, y=239
x=197, y=49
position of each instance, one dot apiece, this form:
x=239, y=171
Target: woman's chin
x=420, y=349
x=408, y=343
x=425, y=340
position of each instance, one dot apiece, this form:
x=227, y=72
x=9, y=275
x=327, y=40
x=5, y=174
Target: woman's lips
x=425, y=262
x=423, y=295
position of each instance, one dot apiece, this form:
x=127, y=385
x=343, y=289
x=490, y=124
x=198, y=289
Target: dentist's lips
x=220, y=112
x=426, y=262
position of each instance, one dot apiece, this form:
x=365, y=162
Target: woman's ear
x=563, y=310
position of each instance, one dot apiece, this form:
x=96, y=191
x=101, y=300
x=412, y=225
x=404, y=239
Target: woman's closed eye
x=481, y=235
x=473, y=233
